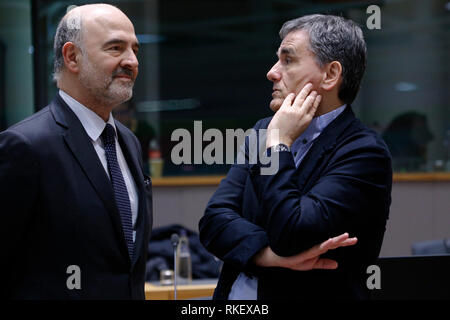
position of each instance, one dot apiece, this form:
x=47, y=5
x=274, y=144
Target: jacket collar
x=324, y=143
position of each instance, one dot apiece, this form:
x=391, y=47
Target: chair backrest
x=441, y=246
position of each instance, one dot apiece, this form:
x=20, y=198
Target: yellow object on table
x=197, y=289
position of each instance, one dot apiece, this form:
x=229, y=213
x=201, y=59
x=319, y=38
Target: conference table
x=197, y=289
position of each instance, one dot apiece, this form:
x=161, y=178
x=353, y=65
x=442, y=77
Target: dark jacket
x=342, y=185
x=58, y=210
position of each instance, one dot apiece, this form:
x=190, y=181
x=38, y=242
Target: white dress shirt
x=245, y=287
x=94, y=126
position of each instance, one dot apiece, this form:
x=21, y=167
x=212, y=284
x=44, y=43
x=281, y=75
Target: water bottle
x=184, y=265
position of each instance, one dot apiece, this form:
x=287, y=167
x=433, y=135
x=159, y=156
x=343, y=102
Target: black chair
x=424, y=248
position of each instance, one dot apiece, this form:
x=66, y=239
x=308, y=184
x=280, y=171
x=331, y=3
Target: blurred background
x=207, y=60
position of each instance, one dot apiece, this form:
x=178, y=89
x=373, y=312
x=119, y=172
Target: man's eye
x=115, y=48
x=287, y=60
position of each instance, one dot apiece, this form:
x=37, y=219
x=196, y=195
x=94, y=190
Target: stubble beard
x=104, y=88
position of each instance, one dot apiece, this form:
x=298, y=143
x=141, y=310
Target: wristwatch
x=280, y=147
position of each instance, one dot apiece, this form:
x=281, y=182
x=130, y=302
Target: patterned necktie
x=119, y=187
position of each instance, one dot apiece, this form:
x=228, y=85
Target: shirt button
x=304, y=141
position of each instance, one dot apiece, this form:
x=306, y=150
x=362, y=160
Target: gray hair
x=333, y=38
x=69, y=30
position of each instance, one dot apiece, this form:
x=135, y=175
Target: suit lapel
x=324, y=143
x=83, y=151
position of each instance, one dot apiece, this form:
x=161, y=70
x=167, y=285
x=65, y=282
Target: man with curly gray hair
x=334, y=177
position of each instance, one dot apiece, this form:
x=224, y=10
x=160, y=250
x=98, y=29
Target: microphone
x=175, y=239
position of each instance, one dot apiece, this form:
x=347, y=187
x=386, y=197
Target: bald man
x=75, y=205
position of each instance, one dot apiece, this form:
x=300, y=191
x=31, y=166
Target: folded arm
x=352, y=193
x=243, y=243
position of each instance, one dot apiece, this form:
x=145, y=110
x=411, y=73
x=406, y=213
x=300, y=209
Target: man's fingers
x=288, y=100
x=309, y=102
x=325, y=264
x=342, y=240
x=330, y=243
x=316, y=103
x=349, y=242
x=339, y=239
x=315, y=263
x=298, y=102
x=317, y=250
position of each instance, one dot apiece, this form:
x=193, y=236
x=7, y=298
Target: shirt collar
x=317, y=125
x=91, y=122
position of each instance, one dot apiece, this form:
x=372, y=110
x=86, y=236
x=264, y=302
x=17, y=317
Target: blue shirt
x=245, y=287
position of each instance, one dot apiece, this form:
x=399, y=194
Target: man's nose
x=274, y=74
x=130, y=60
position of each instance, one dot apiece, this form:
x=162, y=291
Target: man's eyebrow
x=119, y=41
x=285, y=50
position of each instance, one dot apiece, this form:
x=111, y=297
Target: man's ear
x=71, y=53
x=332, y=75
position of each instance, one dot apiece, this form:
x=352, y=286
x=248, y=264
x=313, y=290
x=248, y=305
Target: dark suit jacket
x=58, y=209
x=342, y=185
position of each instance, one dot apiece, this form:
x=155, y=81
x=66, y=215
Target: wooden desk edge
x=422, y=177
x=187, y=181
x=215, y=180
x=187, y=291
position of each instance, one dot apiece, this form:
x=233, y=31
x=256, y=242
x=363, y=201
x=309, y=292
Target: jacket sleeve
x=224, y=231
x=18, y=191
x=353, y=193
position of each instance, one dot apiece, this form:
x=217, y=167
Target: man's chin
x=275, y=104
x=122, y=90
x=118, y=95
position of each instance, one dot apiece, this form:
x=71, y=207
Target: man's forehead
x=104, y=17
x=103, y=23
x=294, y=42
x=95, y=11
x=108, y=29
